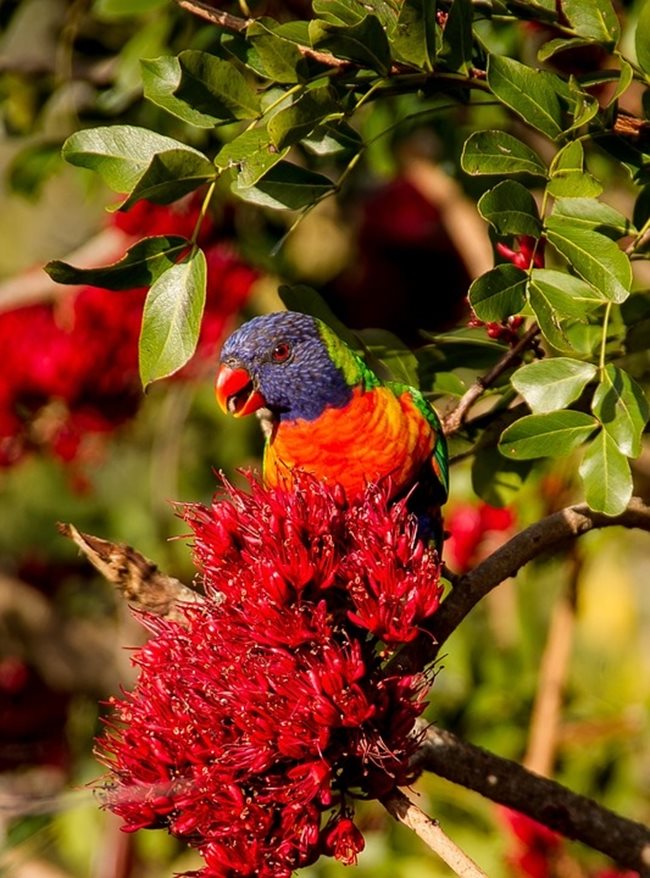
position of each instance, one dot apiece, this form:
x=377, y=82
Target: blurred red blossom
x=470, y=526
x=535, y=845
x=538, y=852
x=71, y=366
x=254, y=726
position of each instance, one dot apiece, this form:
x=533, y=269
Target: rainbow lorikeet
x=325, y=411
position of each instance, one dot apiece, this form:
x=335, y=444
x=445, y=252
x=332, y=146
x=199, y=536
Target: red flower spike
x=270, y=706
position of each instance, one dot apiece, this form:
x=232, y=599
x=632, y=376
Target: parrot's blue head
x=289, y=363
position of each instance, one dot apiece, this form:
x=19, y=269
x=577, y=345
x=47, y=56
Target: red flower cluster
x=71, y=367
x=254, y=726
x=470, y=526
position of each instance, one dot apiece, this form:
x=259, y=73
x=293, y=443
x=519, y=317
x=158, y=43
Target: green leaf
x=457, y=42
x=593, y=19
x=498, y=293
x=281, y=59
x=527, y=92
x=584, y=106
x=561, y=44
x=160, y=79
x=621, y=406
x=495, y=479
x=587, y=213
x=568, y=177
x=338, y=11
x=574, y=184
x=642, y=38
x=285, y=187
x=495, y=152
x=215, y=87
x=120, y=154
x=511, y=209
x=170, y=175
x=333, y=140
x=567, y=296
x=624, y=81
x=548, y=318
x=400, y=363
x=140, y=266
x=171, y=320
x=236, y=45
x=251, y=153
x=299, y=119
x=365, y=42
x=606, y=476
x=551, y=384
x=555, y=434
x=596, y=258
x=415, y=38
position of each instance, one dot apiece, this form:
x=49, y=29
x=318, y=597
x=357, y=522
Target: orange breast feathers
x=376, y=434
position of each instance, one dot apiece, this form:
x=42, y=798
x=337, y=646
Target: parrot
x=324, y=411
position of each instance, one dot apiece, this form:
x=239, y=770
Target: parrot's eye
x=281, y=352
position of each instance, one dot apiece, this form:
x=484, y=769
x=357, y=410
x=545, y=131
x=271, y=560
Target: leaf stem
x=203, y=211
x=603, y=341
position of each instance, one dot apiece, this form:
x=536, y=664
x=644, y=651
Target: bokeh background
x=553, y=669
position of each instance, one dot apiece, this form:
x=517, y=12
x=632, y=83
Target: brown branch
x=508, y=783
x=238, y=25
x=139, y=580
x=532, y=542
x=407, y=812
x=454, y=419
x=215, y=16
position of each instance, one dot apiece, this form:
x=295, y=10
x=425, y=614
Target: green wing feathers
x=440, y=458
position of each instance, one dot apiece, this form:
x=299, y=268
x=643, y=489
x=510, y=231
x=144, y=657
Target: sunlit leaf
x=526, y=91
x=498, y=293
x=605, y=473
x=171, y=320
x=140, y=266
x=621, y=406
x=510, y=209
x=596, y=258
x=554, y=434
x=553, y=383
x=495, y=152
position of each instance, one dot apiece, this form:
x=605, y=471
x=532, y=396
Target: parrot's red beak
x=235, y=392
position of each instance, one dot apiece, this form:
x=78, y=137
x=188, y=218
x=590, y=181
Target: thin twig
x=544, y=800
x=215, y=16
x=454, y=419
x=407, y=812
x=238, y=25
x=553, y=669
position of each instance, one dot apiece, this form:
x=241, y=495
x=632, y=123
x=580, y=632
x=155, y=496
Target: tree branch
x=544, y=800
x=238, y=25
x=454, y=419
x=407, y=812
x=532, y=542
